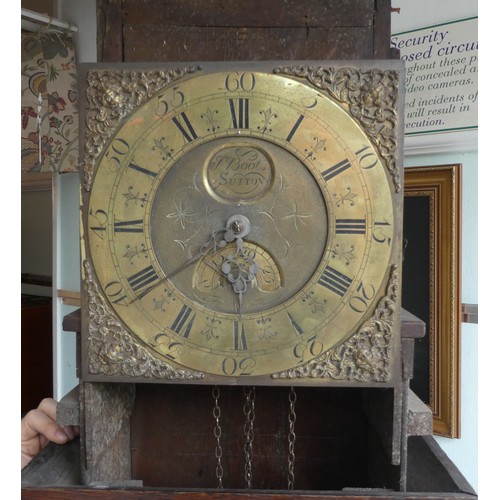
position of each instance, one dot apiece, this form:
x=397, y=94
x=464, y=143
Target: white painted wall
x=83, y=14
x=66, y=265
x=66, y=218
x=420, y=13
x=463, y=451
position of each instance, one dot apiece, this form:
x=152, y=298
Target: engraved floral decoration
x=165, y=151
x=366, y=355
x=315, y=305
x=267, y=117
x=135, y=197
x=184, y=213
x=210, y=118
x=370, y=96
x=133, y=252
x=346, y=198
x=112, y=96
x=287, y=207
x=318, y=145
x=112, y=349
x=343, y=253
x=166, y=298
x=190, y=216
x=267, y=332
x=210, y=332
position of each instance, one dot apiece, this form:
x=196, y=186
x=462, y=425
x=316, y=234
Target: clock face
x=240, y=223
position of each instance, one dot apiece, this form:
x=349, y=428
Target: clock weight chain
x=248, y=429
x=292, y=418
x=219, y=471
x=249, y=434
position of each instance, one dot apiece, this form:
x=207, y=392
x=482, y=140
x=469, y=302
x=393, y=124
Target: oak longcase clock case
x=241, y=223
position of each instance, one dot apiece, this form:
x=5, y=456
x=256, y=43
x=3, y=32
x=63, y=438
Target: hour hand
x=239, y=271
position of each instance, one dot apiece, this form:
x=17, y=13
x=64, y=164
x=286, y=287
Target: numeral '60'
x=235, y=81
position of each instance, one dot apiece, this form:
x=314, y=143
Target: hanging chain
x=219, y=471
x=248, y=429
x=292, y=417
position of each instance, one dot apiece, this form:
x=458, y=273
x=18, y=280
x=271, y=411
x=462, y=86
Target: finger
x=72, y=431
x=49, y=407
x=38, y=423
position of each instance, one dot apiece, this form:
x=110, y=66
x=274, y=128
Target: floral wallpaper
x=49, y=108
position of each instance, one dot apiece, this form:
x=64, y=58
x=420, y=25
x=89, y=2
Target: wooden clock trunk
x=157, y=441
x=172, y=427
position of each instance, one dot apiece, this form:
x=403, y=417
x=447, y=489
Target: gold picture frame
x=431, y=287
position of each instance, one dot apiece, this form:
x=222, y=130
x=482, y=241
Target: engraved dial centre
x=280, y=224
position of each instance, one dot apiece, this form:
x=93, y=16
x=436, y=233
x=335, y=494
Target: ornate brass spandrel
x=112, y=350
x=111, y=96
x=370, y=97
x=365, y=356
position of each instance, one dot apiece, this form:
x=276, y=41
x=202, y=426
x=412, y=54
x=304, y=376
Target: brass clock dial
x=239, y=223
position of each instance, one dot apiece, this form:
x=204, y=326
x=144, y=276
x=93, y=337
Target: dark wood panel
x=109, y=30
x=437, y=472
x=217, y=44
x=36, y=279
x=173, y=443
x=256, y=13
x=430, y=469
x=151, y=494
x=188, y=30
x=36, y=351
x=56, y=464
x=411, y=326
x=382, y=30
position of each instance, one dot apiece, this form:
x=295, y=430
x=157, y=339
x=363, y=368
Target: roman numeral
x=239, y=112
x=294, y=128
x=185, y=127
x=350, y=226
x=335, y=281
x=240, y=341
x=129, y=226
x=336, y=169
x=142, y=170
x=184, y=321
x=142, y=282
x=295, y=325
x=98, y=228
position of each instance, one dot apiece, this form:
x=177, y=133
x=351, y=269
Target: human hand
x=39, y=427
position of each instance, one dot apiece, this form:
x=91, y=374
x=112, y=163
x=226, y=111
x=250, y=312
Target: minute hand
x=237, y=227
x=218, y=239
x=208, y=248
